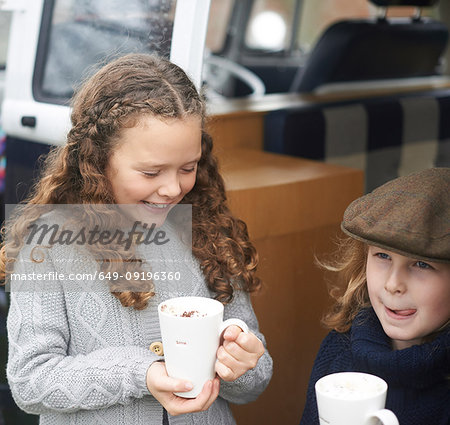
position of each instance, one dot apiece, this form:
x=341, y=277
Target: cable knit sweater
x=77, y=356
x=418, y=377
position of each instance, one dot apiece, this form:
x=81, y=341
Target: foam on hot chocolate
x=350, y=387
x=181, y=311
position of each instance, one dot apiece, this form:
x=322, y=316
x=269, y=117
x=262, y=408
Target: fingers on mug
x=238, y=322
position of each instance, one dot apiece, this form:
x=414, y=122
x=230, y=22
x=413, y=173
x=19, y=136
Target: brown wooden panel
x=293, y=208
x=243, y=130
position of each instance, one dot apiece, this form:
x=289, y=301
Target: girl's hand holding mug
x=162, y=387
x=239, y=353
x=191, y=329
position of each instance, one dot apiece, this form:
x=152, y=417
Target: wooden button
x=157, y=348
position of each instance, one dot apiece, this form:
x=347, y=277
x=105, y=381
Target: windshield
x=87, y=32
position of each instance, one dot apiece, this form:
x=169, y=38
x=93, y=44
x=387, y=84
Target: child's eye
x=383, y=255
x=150, y=173
x=423, y=265
x=189, y=170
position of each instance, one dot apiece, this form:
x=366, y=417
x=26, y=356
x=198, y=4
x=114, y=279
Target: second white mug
x=353, y=398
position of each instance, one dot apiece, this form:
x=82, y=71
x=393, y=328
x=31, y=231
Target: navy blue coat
x=418, y=377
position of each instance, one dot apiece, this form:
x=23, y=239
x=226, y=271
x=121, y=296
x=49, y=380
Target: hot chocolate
x=180, y=311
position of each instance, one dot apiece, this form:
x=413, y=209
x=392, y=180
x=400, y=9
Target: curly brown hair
x=116, y=97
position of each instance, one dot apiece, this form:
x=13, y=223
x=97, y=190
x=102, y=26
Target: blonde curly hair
x=349, y=289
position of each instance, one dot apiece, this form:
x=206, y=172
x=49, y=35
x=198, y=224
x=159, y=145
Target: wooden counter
x=293, y=208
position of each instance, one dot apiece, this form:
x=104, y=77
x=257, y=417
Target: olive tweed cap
x=409, y=215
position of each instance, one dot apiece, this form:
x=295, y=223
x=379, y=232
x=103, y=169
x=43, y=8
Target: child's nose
x=171, y=187
x=395, y=283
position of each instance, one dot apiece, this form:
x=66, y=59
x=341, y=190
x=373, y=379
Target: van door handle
x=29, y=122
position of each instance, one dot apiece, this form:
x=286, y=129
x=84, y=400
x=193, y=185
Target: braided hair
x=117, y=97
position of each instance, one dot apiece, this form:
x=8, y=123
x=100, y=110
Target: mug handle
x=386, y=417
x=238, y=322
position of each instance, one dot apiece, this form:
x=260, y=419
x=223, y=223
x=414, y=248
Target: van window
x=295, y=25
x=218, y=24
x=76, y=34
x=317, y=15
x=270, y=25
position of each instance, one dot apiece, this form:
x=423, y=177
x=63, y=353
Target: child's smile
x=400, y=314
x=155, y=165
x=410, y=297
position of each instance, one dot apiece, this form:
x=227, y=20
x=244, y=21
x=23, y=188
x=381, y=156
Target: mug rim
x=217, y=306
x=351, y=373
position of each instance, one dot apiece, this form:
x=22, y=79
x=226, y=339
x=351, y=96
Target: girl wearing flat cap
x=392, y=316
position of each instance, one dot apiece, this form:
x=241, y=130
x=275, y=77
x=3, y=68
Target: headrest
x=416, y=3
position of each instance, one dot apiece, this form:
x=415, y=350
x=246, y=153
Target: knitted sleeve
x=250, y=385
x=333, y=346
x=43, y=374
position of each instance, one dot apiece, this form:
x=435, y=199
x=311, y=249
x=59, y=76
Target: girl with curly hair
x=79, y=350
x=391, y=316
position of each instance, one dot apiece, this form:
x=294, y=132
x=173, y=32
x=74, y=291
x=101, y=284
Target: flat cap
x=409, y=215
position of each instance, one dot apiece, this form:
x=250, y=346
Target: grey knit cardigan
x=78, y=357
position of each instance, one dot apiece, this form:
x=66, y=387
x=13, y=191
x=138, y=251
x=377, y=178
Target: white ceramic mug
x=353, y=398
x=190, y=343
